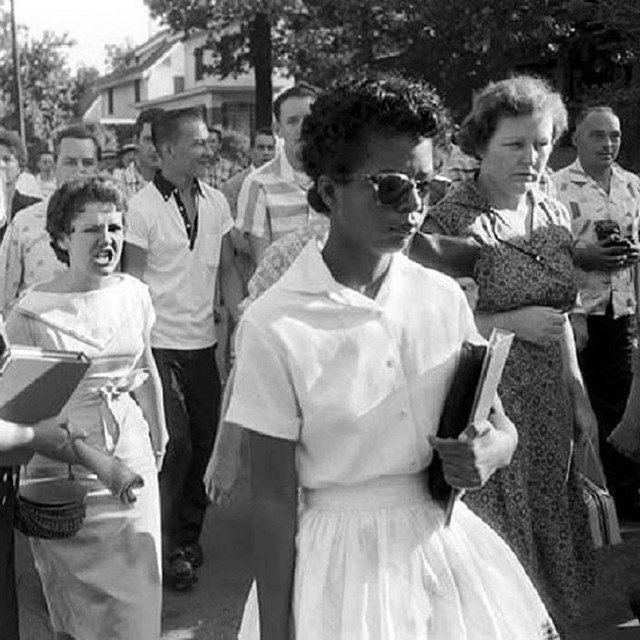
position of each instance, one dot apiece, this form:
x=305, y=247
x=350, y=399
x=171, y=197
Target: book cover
x=35, y=384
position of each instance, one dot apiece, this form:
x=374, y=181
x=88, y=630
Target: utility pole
x=17, y=87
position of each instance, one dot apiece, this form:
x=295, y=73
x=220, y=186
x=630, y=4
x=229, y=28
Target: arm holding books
x=53, y=439
x=469, y=461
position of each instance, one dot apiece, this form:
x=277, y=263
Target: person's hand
x=540, y=325
x=471, y=460
x=580, y=330
x=607, y=255
x=51, y=438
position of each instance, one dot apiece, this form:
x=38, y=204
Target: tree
x=458, y=45
x=117, y=55
x=50, y=91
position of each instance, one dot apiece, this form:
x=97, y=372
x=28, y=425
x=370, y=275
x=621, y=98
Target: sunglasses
x=391, y=189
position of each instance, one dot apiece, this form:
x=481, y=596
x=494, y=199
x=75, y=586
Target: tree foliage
x=51, y=93
x=457, y=44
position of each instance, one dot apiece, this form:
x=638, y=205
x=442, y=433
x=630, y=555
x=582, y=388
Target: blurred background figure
x=46, y=173
x=13, y=155
x=263, y=149
x=219, y=169
x=126, y=154
x=143, y=164
x=109, y=162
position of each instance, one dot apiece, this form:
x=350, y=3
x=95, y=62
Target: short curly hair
x=521, y=95
x=70, y=199
x=334, y=134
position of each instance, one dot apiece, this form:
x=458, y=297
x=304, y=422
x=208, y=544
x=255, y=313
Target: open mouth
x=105, y=257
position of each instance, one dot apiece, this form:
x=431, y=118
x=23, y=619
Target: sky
x=91, y=23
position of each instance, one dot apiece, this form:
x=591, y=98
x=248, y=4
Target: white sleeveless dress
x=106, y=581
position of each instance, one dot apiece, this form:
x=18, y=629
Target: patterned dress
x=536, y=502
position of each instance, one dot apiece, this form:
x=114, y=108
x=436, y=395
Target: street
x=212, y=610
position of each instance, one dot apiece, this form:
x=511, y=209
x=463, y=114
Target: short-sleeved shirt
x=587, y=203
x=26, y=256
x=181, y=278
x=273, y=200
x=359, y=383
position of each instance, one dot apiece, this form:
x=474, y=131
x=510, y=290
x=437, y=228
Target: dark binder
x=470, y=397
x=456, y=414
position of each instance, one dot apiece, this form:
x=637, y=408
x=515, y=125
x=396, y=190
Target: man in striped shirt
x=273, y=199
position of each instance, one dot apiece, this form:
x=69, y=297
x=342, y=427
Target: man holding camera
x=604, y=202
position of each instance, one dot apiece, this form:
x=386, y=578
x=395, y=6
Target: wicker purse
x=51, y=509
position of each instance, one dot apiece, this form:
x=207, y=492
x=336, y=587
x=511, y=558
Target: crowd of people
x=344, y=348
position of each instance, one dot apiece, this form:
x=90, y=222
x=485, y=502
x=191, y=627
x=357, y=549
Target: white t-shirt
x=182, y=280
x=358, y=383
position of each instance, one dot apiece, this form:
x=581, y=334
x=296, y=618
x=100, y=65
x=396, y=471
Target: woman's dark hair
x=334, y=134
x=70, y=199
x=516, y=96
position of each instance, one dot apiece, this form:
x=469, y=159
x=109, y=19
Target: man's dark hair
x=70, y=199
x=167, y=127
x=14, y=143
x=149, y=116
x=300, y=90
x=265, y=131
x=77, y=132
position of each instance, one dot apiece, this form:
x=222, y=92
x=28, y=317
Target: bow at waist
x=108, y=391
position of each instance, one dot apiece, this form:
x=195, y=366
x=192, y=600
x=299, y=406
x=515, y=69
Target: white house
x=169, y=72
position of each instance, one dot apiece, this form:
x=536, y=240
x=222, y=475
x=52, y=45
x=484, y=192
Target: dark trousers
x=191, y=389
x=9, y=619
x=606, y=364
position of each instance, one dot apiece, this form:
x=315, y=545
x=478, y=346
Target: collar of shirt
x=289, y=174
x=167, y=188
x=580, y=177
x=312, y=276
x=467, y=194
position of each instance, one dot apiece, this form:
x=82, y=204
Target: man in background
x=140, y=170
x=26, y=256
x=218, y=169
x=46, y=176
x=273, y=199
x=13, y=155
x=604, y=202
x=177, y=242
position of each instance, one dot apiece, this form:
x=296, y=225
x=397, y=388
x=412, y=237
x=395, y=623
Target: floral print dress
x=536, y=502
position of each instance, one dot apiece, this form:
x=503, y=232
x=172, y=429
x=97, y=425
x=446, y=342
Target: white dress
x=104, y=583
x=359, y=384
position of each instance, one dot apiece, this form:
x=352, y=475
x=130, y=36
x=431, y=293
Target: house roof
x=140, y=59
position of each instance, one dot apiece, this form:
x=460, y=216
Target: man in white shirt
x=604, y=202
x=26, y=256
x=273, y=199
x=177, y=241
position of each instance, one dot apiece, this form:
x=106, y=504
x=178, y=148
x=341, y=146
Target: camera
x=609, y=231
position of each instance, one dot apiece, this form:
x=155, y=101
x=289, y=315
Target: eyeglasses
x=391, y=189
